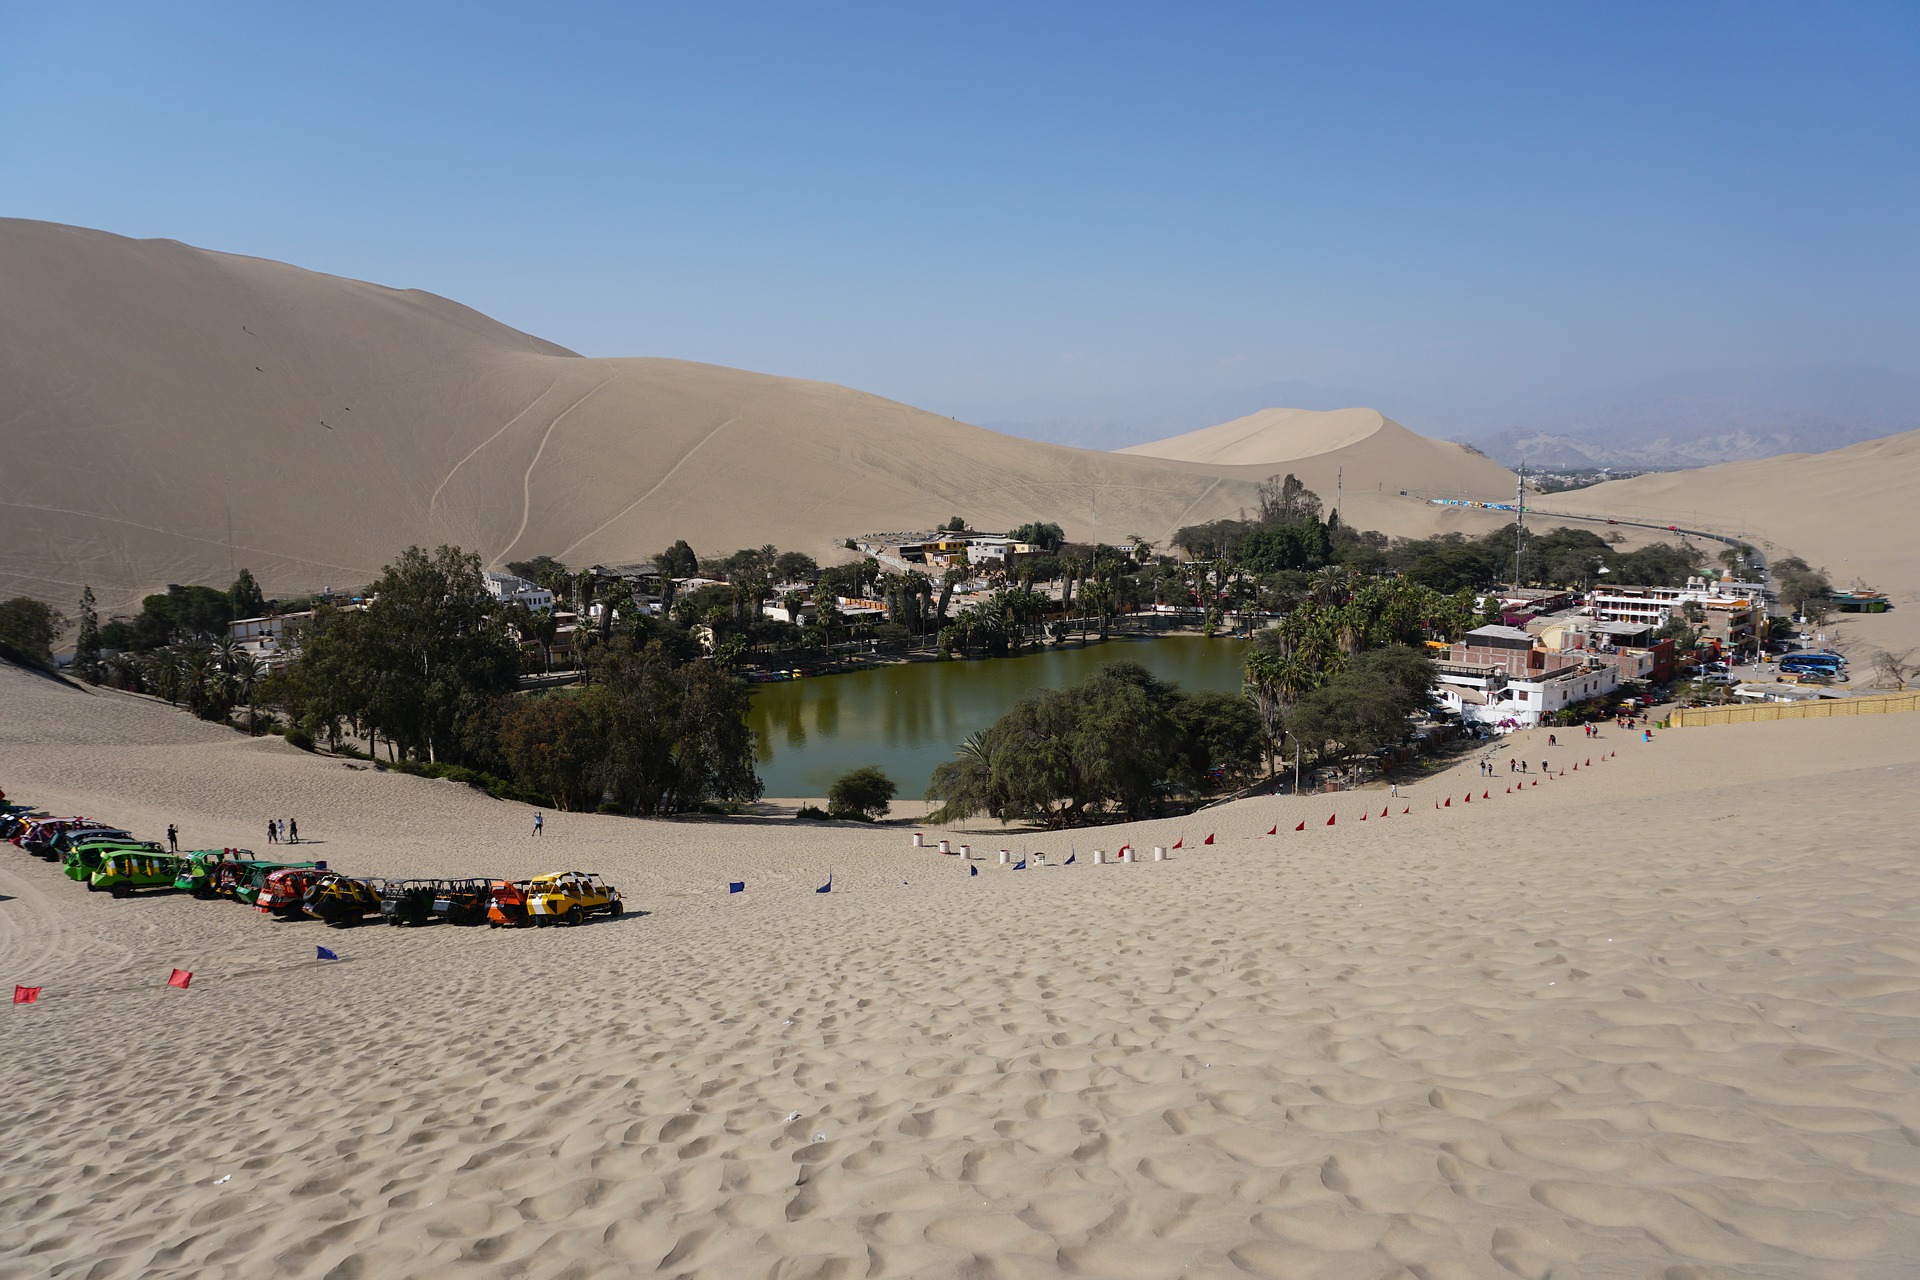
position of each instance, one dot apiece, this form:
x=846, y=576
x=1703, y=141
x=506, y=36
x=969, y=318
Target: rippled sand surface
x=1659, y=1016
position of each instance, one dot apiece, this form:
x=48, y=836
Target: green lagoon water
x=910, y=717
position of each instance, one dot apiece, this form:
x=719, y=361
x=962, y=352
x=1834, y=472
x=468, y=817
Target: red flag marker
x=1124, y=848
x=1467, y=798
x=1330, y=818
x=1536, y=782
x=1274, y=830
x=180, y=979
x=1449, y=803
x=1209, y=839
x=1301, y=825
x=1408, y=809
x=1363, y=818
x=1177, y=843
x=1509, y=788
x=1485, y=796
x=1589, y=764
x=1383, y=811
x=25, y=995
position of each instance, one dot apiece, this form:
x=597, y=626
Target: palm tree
x=1331, y=585
x=245, y=673
x=164, y=671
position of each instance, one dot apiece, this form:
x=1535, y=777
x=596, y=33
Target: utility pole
x=1339, y=477
x=1519, y=524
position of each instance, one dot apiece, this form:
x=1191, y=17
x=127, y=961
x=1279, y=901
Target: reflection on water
x=909, y=718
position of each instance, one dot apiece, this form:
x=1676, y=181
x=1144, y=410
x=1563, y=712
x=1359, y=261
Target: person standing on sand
x=273, y=832
x=539, y=822
x=293, y=830
x=173, y=838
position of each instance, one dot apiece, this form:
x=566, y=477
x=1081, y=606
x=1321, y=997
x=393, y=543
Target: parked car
x=342, y=902
x=242, y=880
x=198, y=869
x=84, y=858
x=568, y=897
x=284, y=892
x=40, y=836
x=124, y=871
x=405, y=902
x=507, y=905
x=462, y=901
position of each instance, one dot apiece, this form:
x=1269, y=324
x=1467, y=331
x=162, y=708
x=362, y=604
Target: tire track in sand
x=526, y=480
x=671, y=471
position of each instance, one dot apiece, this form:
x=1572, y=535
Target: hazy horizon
x=1475, y=220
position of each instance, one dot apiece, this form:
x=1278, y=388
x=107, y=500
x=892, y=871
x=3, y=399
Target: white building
x=1492, y=695
x=508, y=589
x=1652, y=606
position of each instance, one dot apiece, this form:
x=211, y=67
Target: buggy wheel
x=92, y=887
x=120, y=890
x=616, y=909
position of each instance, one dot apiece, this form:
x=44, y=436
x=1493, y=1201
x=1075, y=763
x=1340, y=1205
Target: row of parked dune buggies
x=108, y=859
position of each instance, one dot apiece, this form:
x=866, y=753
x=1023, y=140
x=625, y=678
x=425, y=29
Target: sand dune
x=1660, y=1015
x=1841, y=510
x=1375, y=452
x=175, y=413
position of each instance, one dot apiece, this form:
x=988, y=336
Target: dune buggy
x=568, y=897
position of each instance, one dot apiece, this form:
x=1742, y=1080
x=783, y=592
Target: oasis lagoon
x=907, y=718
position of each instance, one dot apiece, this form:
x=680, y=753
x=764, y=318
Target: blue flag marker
x=325, y=954
x=736, y=886
x=973, y=871
x=1070, y=858
x=828, y=886
x=1020, y=865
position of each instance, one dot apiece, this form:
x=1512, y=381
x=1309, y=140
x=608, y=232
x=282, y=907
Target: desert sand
x=1656, y=1016
x=175, y=414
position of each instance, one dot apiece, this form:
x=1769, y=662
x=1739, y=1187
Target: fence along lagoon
x=909, y=717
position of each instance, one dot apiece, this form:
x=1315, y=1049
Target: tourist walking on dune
x=539, y=823
x=293, y=830
x=273, y=832
x=173, y=838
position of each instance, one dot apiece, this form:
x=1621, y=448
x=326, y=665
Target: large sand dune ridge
x=174, y=414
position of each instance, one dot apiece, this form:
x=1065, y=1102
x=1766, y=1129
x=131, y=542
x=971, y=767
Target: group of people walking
x=283, y=831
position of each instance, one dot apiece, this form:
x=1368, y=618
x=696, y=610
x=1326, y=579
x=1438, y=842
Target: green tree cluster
x=28, y=628
x=865, y=793
x=1801, y=585
x=651, y=735
x=414, y=665
x=1044, y=534
x=1112, y=745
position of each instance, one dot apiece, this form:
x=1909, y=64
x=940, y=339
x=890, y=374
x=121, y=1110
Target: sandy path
x=1657, y=1017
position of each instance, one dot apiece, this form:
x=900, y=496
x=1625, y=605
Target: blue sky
x=1031, y=212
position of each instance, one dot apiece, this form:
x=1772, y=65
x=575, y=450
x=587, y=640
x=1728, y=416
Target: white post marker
x=966, y=851
x=918, y=843
x=1006, y=857
x=1099, y=856
x=945, y=848
x=1159, y=853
